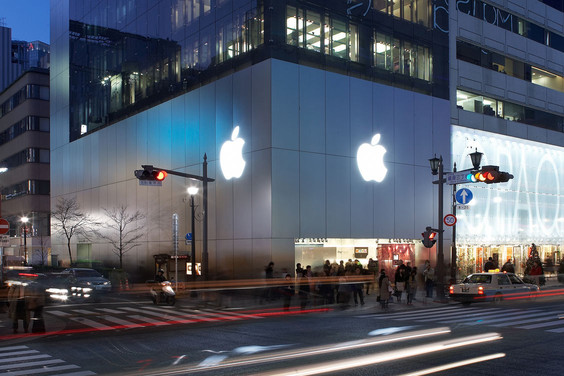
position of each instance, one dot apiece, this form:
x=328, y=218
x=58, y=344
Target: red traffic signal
x=428, y=237
x=490, y=175
x=148, y=173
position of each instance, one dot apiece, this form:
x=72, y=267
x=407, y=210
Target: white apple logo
x=370, y=160
x=231, y=156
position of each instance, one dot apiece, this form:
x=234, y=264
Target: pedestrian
x=299, y=271
x=288, y=291
x=489, y=265
x=358, y=287
x=384, y=287
x=18, y=306
x=536, y=273
x=429, y=275
x=508, y=267
x=268, y=275
x=400, y=279
x=411, y=285
x=372, y=270
x=35, y=299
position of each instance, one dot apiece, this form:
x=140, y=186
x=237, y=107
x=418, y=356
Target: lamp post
x=192, y=191
x=24, y=221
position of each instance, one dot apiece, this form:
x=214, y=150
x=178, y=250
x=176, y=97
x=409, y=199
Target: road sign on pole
x=464, y=196
x=449, y=220
x=4, y=226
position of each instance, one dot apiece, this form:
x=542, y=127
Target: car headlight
x=88, y=283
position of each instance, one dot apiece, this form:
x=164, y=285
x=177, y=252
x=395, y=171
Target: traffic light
x=148, y=173
x=489, y=175
x=429, y=237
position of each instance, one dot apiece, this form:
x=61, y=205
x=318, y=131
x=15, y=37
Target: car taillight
x=481, y=290
x=451, y=289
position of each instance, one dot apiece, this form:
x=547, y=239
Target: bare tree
x=69, y=220
x=124, y=230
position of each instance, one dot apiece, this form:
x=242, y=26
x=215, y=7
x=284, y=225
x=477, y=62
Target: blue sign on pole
x=464, y=196
x=189, y=236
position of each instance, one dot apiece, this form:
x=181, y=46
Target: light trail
x=461, y=363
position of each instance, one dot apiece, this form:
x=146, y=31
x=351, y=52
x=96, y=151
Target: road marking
x=19, y=353
x=559, y=330
x=92, y=323
x=148, y=320
x=43, y=370
x=110, y=310
x=529, y=320
x=10, y=348
x=487, y=316
x=407, y=314
x=541, y=325
x=31, y=357
x=117, y=320
x=85, y=312
x=59, y=313
x=462, y=313
x=30, y=364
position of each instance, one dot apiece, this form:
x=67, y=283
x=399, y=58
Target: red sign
x=4, y=226
x=449, y=220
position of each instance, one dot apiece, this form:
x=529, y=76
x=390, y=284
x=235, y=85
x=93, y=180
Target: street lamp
x=192, y=191
x=24, y=220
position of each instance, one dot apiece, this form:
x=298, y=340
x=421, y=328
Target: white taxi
x=480, y=287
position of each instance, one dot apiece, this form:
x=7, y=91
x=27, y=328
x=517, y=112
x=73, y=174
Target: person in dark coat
x=288, y=291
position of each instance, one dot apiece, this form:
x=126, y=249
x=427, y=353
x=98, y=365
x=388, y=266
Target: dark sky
x=28, y=19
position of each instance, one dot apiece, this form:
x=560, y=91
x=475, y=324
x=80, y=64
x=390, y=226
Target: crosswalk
x=538, y=319
x=20, y=360
x=101, y=318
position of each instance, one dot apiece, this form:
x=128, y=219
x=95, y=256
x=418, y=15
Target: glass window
x=293, y=27
x=396, y=58
x=478, y=278
x=353, y=42
x=383, y=51
x=502, y=279
x=408, y=60
x=515, y=280
x=423, y=63
x=339, y=39
x=313, y=31
x=383, y=6
x=423, y=9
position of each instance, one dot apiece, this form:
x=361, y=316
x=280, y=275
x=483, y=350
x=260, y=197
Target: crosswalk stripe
x=30, y=364
x=10, y=348
x=528, y=320
x=59, y=313
x=198, y=314
x=461, y=313
x=542, y=325
x=510, y=317
x=178, y=315
x=486, y=317
x=79, y=373
x=117, y=320
x=85, y=311
x=19, y=353
x=41, y=370
x=148, y=320
x=109, y=310
x=21, y=358
x=240, y=315
x=559, y=330
x=392, y=315
x=92, y=323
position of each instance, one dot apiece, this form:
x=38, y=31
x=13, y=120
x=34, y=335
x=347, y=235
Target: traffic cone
x=126, y=284
x=120, y=286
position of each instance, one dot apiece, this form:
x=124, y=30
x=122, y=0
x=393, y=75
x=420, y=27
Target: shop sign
x=360, y=252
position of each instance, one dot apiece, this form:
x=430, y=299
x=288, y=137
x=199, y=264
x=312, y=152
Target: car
x=78, y=284
x=480, y=287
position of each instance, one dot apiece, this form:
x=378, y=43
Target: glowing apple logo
x=231, y=156
x=370, y=160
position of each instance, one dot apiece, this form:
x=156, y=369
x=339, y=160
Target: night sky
x=28, y=19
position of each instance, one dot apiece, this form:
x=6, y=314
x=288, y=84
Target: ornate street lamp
x=476, y=158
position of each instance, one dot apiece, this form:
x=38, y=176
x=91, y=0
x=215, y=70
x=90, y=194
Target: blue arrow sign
x=464, y=196
x=189, y=236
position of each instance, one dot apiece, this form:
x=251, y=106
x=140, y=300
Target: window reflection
x=416, y=11
x=402, y=57
x=115, y=71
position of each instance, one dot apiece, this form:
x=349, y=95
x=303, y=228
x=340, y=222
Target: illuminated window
x=313, y=31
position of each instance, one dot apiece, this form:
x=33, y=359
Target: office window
x=339, y=39
x=313, y=31
x=383, y=51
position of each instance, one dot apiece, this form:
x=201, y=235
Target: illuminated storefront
x=505, y=219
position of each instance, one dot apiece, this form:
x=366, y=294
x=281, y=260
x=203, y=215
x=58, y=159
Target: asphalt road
x=136, y=338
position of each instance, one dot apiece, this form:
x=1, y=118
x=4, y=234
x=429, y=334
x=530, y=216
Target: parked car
x=480, y=287
x=77, y=284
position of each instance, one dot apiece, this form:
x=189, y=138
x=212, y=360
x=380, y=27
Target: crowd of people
x=348, y=283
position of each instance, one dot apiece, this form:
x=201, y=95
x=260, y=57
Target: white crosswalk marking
x=148, y=320
x=496, y=317
x=117, y=320
x=110, y=310
x=92, y=323
x=59, y=313
x=16, y=362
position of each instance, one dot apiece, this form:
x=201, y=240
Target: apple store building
x=317, y=121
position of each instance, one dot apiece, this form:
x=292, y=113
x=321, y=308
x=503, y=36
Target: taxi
x=496, y=286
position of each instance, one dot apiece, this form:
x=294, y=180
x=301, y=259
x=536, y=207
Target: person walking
x=429, y=275
x=411, y=285
x=508, y=267
x=358, y=288
x=18, y=306
x=288, y=291
x=489, y=265
x=384, y=289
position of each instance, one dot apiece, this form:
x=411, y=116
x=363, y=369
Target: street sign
x=449, y=220
x=462, y=207
x=464, y=196
x=189, y=236
x=4, y=241
x=152, y=183
x=457, y=177
x=4, y=226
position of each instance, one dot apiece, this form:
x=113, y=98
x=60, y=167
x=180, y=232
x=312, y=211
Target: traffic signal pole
x=440, y=253
x=205, y=180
